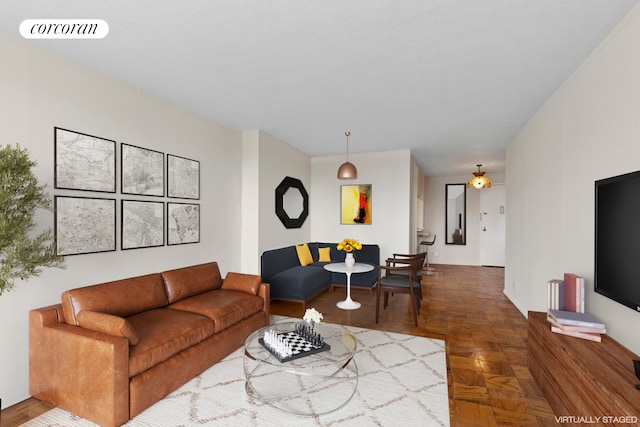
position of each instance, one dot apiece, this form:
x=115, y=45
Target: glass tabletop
x=311, y=385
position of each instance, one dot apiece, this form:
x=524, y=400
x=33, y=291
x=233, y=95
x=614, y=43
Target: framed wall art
x=183, y=223
x=84, y=225
x=142, y=224
x=84, y=162
x=355, y=204
x=183, y=177
x=142, y=171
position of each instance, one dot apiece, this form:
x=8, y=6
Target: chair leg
x=377, y=302
x=429, y=271
x=413, y=307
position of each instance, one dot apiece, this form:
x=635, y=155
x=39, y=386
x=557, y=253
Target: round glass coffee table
x=310, y=385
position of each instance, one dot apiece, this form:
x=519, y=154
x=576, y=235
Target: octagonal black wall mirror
x=292, y=202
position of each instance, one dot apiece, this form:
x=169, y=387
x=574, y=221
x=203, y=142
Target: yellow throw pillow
x=324, y=254
x=304, y=254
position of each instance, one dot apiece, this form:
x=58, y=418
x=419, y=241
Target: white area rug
x=402, y=382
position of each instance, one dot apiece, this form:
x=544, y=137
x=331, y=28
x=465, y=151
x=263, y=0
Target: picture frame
x=355, y=204
x=84, y=225
x=141, y=171
x=183, y=223
x=183, y=177
x=142, y=224
x=84, y=162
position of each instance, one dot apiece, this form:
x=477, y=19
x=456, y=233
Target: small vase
x=349, y=260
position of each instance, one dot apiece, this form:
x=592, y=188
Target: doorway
x=492, y=226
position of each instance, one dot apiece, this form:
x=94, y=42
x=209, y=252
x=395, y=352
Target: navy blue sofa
x=290, y=281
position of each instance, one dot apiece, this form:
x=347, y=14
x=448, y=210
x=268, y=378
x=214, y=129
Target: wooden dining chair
x=399, y=275
x=398, y=258
x=404, y=259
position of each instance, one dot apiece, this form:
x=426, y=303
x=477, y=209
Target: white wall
x=40, y=91
x=434, y=221
x=587, y=131
x=390, y=174
x=250, y=201
x=277, y=161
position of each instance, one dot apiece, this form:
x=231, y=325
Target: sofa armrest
x=274, y=261
x=79, y=370
x=265, y=293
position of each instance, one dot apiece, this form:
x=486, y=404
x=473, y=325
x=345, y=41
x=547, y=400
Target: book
x=583, y=335
x=581, y=292
x=572, y=318
x=555, y=294
x=574, y=293
x=572, y=328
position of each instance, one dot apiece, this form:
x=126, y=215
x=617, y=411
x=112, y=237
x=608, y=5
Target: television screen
x=617, y=239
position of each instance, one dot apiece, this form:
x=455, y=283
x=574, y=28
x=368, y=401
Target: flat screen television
x=617, y=239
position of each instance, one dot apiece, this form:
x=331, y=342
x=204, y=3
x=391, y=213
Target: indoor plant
x=22, y=252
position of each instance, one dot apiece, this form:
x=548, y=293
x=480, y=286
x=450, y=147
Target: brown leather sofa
x=110, y=351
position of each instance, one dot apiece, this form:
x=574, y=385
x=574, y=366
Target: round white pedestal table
x=341, y=267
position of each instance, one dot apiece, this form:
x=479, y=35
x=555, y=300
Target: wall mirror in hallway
x=456, y=214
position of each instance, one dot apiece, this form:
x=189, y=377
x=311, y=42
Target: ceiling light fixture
x=347, y=170
x=479, y=180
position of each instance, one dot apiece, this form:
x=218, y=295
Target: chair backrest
x=411, y=264
x=399, y=258
x=418, y=263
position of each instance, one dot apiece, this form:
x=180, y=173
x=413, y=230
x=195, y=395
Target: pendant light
x=347, y=170
x=479, y=180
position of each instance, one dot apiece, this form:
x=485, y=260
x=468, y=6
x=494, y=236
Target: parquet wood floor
x=486, y=341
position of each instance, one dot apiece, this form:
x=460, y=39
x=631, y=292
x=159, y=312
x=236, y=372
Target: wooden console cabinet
x=581, y=378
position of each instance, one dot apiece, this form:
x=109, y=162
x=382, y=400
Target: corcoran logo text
x=64, y=29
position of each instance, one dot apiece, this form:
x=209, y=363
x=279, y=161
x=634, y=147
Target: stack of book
x=580, y=325
x=565, y=305
x=567, y=294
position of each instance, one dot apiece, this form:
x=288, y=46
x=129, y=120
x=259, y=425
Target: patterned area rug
x=402, y=382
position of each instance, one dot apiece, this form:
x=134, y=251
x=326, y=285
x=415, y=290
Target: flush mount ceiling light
x=347, y=170
x=479, y=180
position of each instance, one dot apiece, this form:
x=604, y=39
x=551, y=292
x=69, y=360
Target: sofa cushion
x=304, y=254
x=120, y=298
x=164, y=333
x=249, y=283
x=184, y=282
x=109, y=324
x=225, y=307
x=300, y=283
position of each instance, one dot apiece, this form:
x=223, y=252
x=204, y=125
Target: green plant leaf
x=21, y=255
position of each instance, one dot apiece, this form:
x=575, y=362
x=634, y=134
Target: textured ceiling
x=452, y=80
